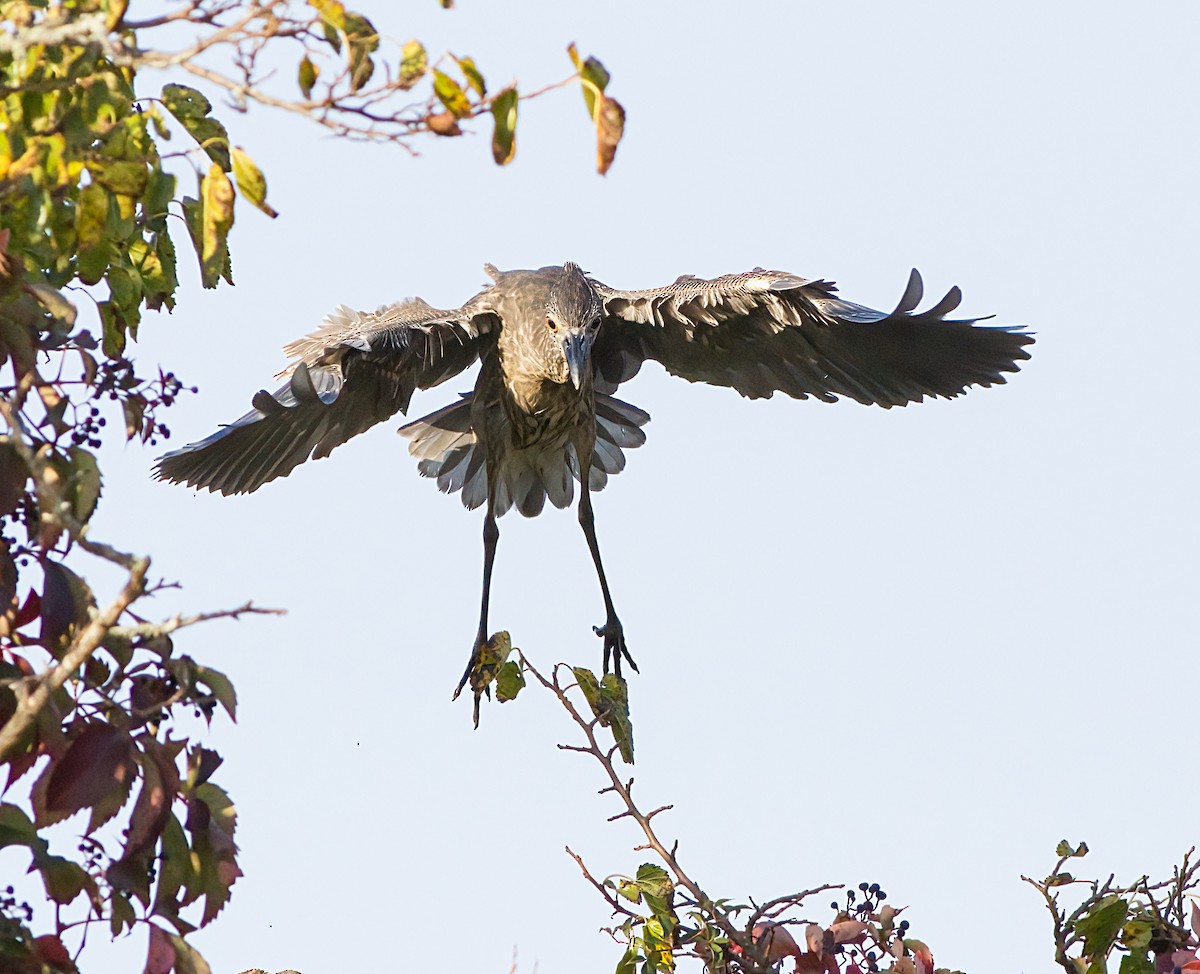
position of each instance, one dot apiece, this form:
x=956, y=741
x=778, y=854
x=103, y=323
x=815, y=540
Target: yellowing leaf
x=251, y=181
x=332, y=12
x=471, y=73
x=209, y=220
x=307, y=76
x=450, y=94
x=413, y=64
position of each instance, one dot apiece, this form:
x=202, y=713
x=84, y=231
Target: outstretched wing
x=354, y=371
x=768, y=331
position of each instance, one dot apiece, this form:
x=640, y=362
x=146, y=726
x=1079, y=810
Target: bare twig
x=151, y=630
x=603, y=890
x=623, y=791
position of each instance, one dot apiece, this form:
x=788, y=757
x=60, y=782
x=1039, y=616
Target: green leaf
x=504, y=137
x=654, y=880
x=591, y=689
x=592, y=76
x=251, y=181
x=125, y=288
x=609, y=700
x=413, y=64
x=628, y=962
x=1100, y=926
x=128, y=178
x=627, y=888
x=191, y=108
x=308, y=75
x=509, y=681
x=85, y=484
x=615, y=693
x=1136, y=934
x=220, y=687
x=154, y=260
x=160, y=190
x=91, y=232
x=450, y=93
x=176, y=867
x=212, y=819
x=16, y=828
x=121, y=912
x=1138, y=962
x=471, y=73
x=64, y=880
x=184, y=102
x=363, y=41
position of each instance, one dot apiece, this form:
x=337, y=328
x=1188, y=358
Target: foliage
x=101, y=183
x=663, y=915
x=1151, y=926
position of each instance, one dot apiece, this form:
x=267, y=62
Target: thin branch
x=622, y=790
x=612, y=900
x=152, y=630
x=30, y=703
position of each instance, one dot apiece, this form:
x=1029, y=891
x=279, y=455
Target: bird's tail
x=446, y=447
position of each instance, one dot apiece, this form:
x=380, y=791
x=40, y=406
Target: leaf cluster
x=1144, y=926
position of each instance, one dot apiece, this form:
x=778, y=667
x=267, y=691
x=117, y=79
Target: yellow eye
x=552, y=324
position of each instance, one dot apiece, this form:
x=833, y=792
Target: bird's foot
x=614, y=645
x=472, y=665
x=488, y=656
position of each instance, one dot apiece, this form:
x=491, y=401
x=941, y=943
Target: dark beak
x=575, y=348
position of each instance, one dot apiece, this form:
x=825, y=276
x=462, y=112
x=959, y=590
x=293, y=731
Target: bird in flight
x=555, y=344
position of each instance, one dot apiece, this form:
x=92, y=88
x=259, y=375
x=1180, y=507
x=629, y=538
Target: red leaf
x=160, y=784
x=160, y=956
x=50, y=950
x=847, y=930
x=61, y=608
x=29, y=611
x=19, y=766
x=778, y=942
x=97, y=762
x=8, y=577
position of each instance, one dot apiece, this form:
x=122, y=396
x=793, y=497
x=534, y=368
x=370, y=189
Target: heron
x=554, y=345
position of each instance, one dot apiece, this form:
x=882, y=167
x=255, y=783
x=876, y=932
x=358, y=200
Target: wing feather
x=355, y=370
x=764, y=332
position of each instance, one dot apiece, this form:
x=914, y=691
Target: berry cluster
x=116, y=380
x=865, y=908
x=12, y=909
x=87, y=427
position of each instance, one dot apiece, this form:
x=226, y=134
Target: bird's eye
x=552, y=324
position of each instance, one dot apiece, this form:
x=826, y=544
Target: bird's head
x=572, y=322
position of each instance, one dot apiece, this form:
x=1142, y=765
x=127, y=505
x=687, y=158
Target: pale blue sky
x=922, y=644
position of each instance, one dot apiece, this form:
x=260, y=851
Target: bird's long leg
x=614, y=635
x=491, y=535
